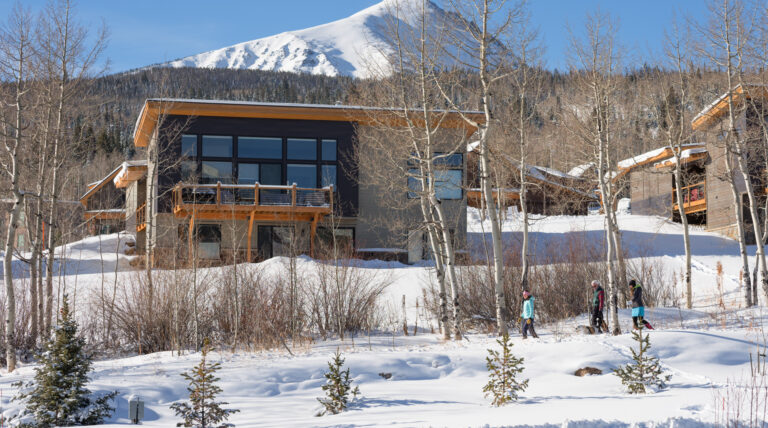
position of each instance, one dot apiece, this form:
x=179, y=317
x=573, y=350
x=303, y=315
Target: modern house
x=708, y=197
x=236, y=181
x=652, y=187
x=549, y=191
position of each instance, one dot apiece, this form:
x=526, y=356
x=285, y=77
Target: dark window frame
x=235, y=159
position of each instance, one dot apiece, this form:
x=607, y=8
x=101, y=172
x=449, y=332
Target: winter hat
x=526, y=294
x=595, y=283
x=632, y=283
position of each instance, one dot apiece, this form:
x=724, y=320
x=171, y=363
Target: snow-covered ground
x=440, y=384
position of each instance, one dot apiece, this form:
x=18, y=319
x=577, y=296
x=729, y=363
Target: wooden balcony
x=241, y=201
x=694, y=198
x=141, y=217
x=252, y=202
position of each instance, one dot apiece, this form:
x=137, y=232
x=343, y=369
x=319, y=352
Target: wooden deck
x=141, y=217
x=252, y=203
x=694, y=198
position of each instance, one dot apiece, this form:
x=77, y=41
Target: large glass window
x=302, y=149
x=217, y=171
x=188, y=170
x=247, y=173
x=271, y=173
x=303, y=175
x=189, y=145
x=448, y=184
x=217, y=146
x=455, y=160
x=329, y=150
x=328, y=175
x=208, y=241
x=260, y=147
x=414, y=183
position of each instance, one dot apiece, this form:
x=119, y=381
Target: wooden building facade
x=243, y=181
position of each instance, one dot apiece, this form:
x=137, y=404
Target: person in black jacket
x=598, y=303
x=638, y=309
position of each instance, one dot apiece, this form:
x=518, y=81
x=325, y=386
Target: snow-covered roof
x=123, y=168
x=579, y=170
x=647, y=156
x=110, y=210
x=545, y=175
x=719, y=106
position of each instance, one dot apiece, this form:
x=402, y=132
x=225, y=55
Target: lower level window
x=208, y=241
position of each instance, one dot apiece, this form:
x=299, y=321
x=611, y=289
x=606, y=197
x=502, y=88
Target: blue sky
x=144, y=32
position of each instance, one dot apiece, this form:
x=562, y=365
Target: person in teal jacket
x=527, y=316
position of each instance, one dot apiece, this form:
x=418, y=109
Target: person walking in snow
x=528, y=315
x=638, y=308
x=598, y=303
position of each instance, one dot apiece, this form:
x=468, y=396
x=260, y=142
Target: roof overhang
x=666, y=155
x=130, y=172
x=719, y=108
x=154, y=109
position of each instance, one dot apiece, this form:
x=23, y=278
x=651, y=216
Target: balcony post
x=250, y=231
x=218, y=193
x=293, y=195
x=256, y=194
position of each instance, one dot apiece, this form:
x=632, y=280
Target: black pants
x=528, y=326
x=635, y=321
x=597, y=320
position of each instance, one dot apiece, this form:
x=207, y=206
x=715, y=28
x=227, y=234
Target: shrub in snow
x=57, y=395
x=503, y=369
x=645, y=372
x=338, y=387
x=202, y=410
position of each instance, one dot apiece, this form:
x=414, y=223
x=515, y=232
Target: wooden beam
x=250, y=233
x=371, y=116
x=190, y=238
x=312, y=230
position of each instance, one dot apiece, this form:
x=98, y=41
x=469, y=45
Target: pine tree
x=337, y=387
x=503, y=369
x=645, y=372
x=57, y=395
x=202, y=410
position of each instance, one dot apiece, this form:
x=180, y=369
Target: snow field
x=440, y=384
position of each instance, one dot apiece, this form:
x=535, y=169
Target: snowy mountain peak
x=351, y=46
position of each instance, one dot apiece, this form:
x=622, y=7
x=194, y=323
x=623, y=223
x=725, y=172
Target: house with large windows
x=236, y=181
x=709, y=167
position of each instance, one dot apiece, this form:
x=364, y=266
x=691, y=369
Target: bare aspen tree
x=15, y=54
x=595, y=62
x=409, y=80
x=481, y=45
x=525, y=78
x=724, y=41
x=758, y=54
x=70, y=55
x=674, y=127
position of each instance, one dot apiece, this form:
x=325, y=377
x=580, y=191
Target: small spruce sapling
x=645, y=371
x=202, y=410
x=57, y=396
x=503, y=369
x=338, y=387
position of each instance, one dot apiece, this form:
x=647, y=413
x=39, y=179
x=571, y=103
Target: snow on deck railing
x=252, y=195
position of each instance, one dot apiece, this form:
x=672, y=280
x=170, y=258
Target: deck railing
x=694, y=197
x=248, y=196
x=141, y=217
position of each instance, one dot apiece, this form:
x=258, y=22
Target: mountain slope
x=352, y=46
